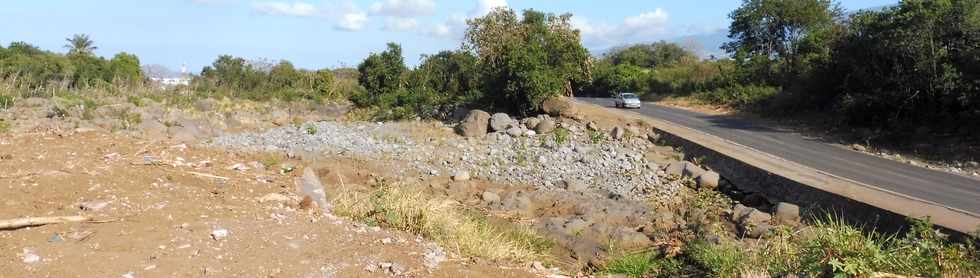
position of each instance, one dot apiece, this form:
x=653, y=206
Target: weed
x=6, y=101
x=596, y=136
x=717, y=260
x=442, y=220
x=4, y=126
x=644, y=264
x=521, y=155
x=311, y=129
x=269, y=161
x=130, y=119
x=136, y=100
x=561, y=135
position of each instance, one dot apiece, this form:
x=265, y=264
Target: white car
x=627, y=100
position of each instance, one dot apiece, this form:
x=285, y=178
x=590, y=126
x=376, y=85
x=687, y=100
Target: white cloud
x=455, y=26
x=483, y=7
x=400, y=24
x=283, y=8
x=452, y=28
x=403, y=8
x=352, y=21
x=644, y=27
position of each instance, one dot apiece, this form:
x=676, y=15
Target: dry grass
x=442, y=220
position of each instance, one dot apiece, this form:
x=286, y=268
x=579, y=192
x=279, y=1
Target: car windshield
x=629, y=96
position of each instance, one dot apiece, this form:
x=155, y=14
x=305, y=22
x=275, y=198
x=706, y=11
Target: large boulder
x=501, y=122
x=787, y=213
x=474, y=124
x=752, y=222
x=708, y=180
x=559, y=106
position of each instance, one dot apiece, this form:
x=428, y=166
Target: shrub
x=738, y=96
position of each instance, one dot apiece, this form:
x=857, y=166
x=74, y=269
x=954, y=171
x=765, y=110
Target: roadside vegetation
x=828, y=247
x=445, y=221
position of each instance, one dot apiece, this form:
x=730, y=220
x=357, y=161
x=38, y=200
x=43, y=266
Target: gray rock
x=515, y=132
x=501, y=122
x=618, y=133
x=592, y=126
x=708, y=180
x=973, y=164
x=787, y=213
x=93, y=205
x=751, y=222
x=532, y=123
x=631, y=240
x=490, y=197
x=692, y=170
x=545, y=126
x=475, y=124
x=860, y=148
x=559, y=106
x=433, y=255
x=653, y=137
x=310, y=185
x=676, y=168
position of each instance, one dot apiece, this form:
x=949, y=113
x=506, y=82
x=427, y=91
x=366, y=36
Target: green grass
x=717, y=260
x=644, y=264
x=561, y=136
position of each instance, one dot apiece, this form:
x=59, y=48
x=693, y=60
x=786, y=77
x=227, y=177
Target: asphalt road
x=947, y=189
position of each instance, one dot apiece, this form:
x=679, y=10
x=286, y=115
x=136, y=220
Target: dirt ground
x=160, y=210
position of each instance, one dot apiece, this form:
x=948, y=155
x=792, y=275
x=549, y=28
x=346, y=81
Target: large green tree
x=788, y=33
x=527, y=60
x=381, y=74
x=125, y=67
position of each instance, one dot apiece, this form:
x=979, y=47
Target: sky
x=316, y=34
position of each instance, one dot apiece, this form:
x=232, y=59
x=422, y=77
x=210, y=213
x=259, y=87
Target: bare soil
x=164, y=203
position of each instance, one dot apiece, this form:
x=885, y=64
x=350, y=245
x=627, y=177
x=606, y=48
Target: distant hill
x=159, y=71
x=705, y=45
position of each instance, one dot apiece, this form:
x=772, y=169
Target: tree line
x=29, y=67
x=899, y=67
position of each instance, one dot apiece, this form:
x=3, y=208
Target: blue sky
x=329, y=34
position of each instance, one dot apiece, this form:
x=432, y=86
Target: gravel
x=616, y=167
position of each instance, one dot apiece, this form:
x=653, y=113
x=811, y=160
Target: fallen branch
x=18, y=223
x=208, y=175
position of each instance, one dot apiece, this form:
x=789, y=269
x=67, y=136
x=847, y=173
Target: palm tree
x=80, y=44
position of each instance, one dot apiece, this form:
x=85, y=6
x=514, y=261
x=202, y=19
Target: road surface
x=946, y=189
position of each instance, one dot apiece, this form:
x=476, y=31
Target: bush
x=738, y=96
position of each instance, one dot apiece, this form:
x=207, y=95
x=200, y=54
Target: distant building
x=168, y=82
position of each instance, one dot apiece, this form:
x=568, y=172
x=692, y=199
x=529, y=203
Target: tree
x=381, y=75
x=527, y=61
x=915, y=63
x=125, y=67
x=782, y=31
x=80, y=44
x=284, y=76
